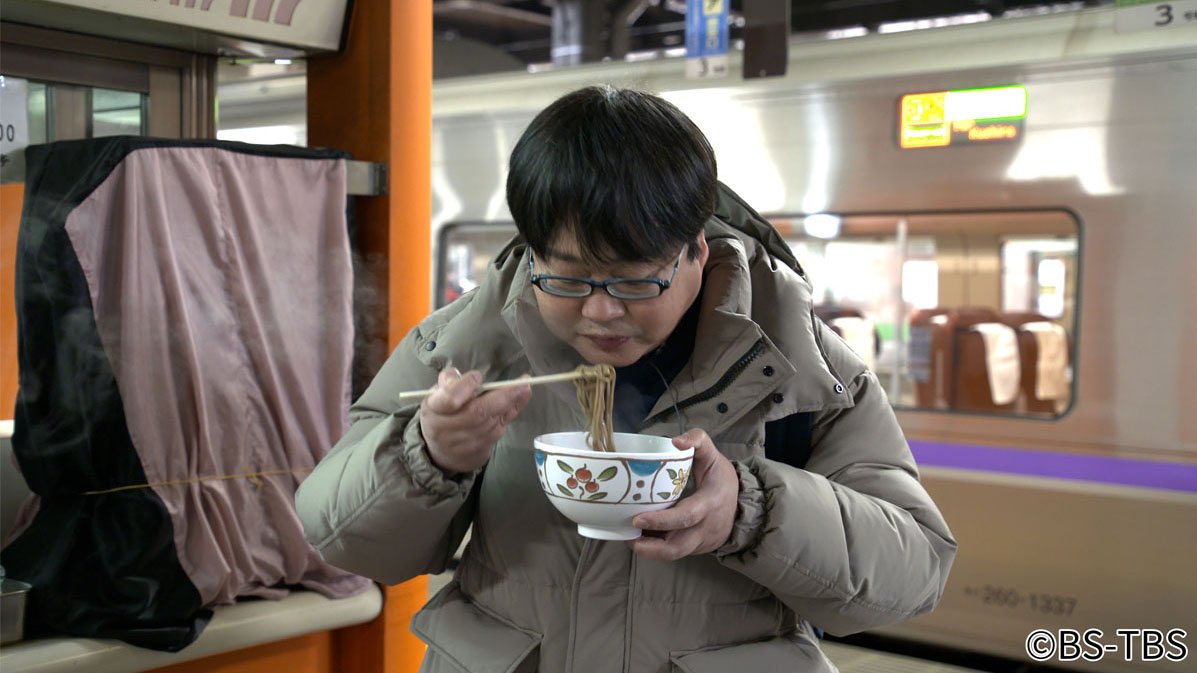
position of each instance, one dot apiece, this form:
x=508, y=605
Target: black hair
x=625, y=172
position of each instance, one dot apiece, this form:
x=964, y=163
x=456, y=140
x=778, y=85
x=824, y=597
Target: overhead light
x=841, y=33
x=821, y=225
x=282, y=61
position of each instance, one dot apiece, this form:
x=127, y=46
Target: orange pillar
x=12, y=196
x=374, y=99
x=411, y=166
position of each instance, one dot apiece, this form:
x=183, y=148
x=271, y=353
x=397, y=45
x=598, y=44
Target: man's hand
x=461, y=430
x=700, y=522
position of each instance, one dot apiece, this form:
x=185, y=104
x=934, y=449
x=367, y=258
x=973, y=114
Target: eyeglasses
x=620, y=288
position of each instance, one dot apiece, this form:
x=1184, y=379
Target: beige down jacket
x=848, y=543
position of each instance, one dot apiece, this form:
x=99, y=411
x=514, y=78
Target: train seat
x=860, y=336
x=964, y=358
x=930, y=355
x=1044, y=351
x=855, y=328
x=984, y=361
x=987, y=367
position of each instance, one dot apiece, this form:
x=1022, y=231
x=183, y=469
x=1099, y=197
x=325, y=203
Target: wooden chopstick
x=494, y=385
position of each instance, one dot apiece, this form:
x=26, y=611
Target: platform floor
x=852, y=659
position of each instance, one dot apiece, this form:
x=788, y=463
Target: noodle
x=596, y=394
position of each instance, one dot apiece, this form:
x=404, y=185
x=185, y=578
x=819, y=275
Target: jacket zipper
x=721, y=385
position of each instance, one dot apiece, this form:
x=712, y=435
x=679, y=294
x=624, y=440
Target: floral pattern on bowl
x=602, y=492
x=594, y=480
x=585, y=481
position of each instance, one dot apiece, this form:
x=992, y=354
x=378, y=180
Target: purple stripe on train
x=1102, y=469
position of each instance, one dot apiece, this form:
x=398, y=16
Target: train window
x=953, y=311
x=115, y=113
x=58, y=111
x=464, y=250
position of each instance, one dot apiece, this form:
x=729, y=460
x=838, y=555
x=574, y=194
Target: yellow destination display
x=943, y=118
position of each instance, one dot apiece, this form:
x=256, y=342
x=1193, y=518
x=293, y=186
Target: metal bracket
x=366, y=178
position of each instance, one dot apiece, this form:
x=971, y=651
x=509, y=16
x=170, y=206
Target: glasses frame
x=592, y=285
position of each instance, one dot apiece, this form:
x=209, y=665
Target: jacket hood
x=733, y=211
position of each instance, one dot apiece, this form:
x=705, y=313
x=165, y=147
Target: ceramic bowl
x=601, y=491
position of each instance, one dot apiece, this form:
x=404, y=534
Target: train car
x=1000, y=218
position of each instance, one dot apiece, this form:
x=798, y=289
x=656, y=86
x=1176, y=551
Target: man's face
x=607, y=330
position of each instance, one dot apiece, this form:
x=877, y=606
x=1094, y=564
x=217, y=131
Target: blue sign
x=706, y=36
x=706, y=27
